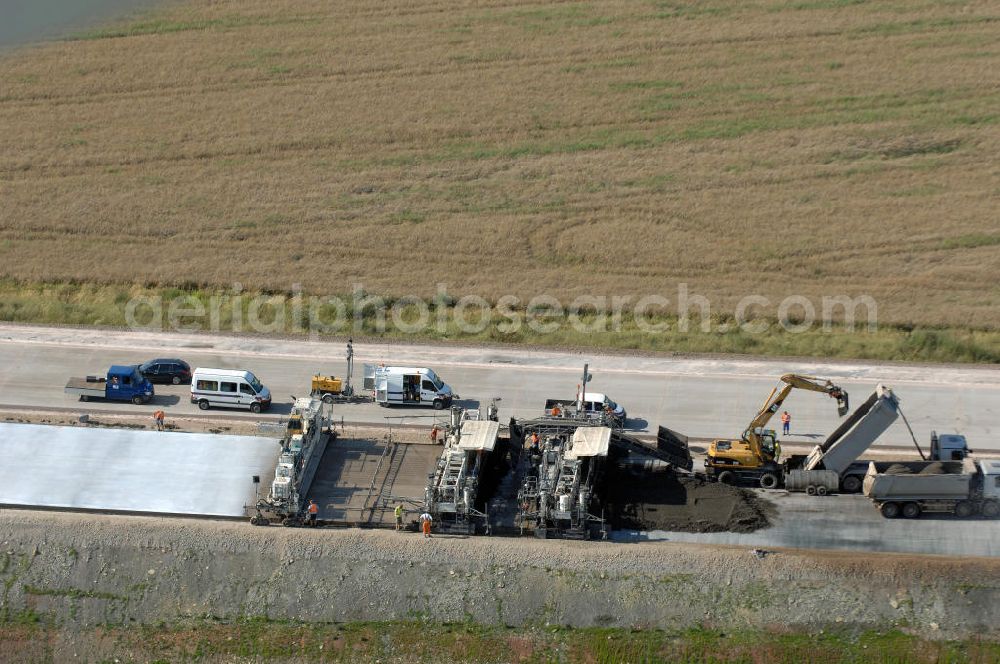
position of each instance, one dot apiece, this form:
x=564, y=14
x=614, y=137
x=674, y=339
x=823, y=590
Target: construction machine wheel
x=327, y=399
x=911, y=510
x=851, y=484
x=769, y=481
x=889, y=510
x=991, y=509
x=203, y=404
x=255, y=408
x=810, y=490
x=964, y=509
x=726, y=477
x=258, y=520
x=821, y=490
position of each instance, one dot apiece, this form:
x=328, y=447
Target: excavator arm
x=796, y=382
x=756, y=452
x=777, y=397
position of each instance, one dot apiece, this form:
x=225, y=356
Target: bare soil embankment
x=85, y=570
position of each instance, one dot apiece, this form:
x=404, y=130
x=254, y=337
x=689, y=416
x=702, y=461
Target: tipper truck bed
x=833, y=465
x=962, y=488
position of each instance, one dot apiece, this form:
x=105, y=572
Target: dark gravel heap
x=669, y=501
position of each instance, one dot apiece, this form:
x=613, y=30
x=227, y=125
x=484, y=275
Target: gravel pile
x=86, y=569
x=668, y=501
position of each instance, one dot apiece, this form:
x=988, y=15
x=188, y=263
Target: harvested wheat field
x=817, y=147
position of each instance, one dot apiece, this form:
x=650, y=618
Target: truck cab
x=596, y=403
x=596, y=406
x=122, y=383
x=948, y=447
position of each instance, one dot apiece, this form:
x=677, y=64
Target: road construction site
x=353, y=478
x=574, y=468
x=699, y=396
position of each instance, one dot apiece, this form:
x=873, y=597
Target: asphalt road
x=700, y=397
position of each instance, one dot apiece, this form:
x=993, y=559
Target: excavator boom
x=757, y=449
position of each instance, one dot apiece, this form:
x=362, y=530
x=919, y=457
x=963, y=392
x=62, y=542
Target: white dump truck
x=908, y=489
x=835, y=465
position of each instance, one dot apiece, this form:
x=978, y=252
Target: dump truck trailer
x=833, y=465
x=908, y=489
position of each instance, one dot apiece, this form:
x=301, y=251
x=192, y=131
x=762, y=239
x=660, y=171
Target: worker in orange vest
x=434, y=434
x=313, y=510
x=533, y=441
x=786, y=423
x=158, y=417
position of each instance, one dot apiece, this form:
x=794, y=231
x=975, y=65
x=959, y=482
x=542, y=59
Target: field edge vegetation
x=209, y=640
x=383, y=318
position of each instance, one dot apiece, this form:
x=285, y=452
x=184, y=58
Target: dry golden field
x=619, y=147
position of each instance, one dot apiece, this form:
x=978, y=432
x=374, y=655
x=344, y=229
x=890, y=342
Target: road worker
x=425, y=523
x=556, y=411
x=434, y=434
x=786, y=423
x=313, y=510
x=399, y=516
x=158, y=418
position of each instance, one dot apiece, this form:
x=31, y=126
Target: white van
x=229, y=388
x=407, y=386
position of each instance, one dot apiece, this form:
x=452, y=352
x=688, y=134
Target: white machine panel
x=590, y=442
x=479, y=435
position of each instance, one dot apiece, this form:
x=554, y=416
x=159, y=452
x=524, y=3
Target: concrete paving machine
x=557, y=493
x=452, y=491
x=302, y=447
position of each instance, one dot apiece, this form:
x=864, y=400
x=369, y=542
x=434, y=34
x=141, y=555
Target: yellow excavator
x=754, y=457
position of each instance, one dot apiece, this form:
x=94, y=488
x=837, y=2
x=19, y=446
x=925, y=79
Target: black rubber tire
x=137, y=400
x=176, y=380
x=327, y=399
x=726, y=477
x=910, y=510
x=255, y=408
x=821, y=490
x=964, y=509
x=851, y=484
x=991, y=509
x=438, y=404
x=810, y=490
x=84, y=397
x=769, y=481
x=889, y=510
x=203, y=404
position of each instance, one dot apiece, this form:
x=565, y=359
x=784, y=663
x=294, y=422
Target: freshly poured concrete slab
x=134, y=471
